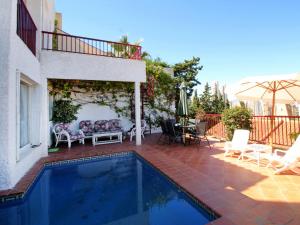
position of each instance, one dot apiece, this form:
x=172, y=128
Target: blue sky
x=233, y=38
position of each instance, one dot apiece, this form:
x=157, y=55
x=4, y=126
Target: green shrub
x=194, y=109
x=64, y=111
x=236, y=118
x=294, y=136
x=200, y=114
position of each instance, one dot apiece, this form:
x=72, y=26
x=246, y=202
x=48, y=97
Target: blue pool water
x=119, y=190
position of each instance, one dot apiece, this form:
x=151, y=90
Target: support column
x=137, y=100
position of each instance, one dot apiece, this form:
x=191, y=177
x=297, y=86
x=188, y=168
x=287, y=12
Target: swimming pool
x=121, y=189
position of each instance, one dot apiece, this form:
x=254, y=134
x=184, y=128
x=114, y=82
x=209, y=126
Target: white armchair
x=64, y=134
x=143, y=129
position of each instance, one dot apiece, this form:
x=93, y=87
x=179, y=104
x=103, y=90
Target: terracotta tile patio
x=241, y=192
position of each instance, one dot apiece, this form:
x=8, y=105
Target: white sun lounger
x=289, y=159
x=239, y=143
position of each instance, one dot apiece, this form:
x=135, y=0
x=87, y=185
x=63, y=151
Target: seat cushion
x=114, y=125
x=77, y=136
x=87, y=127
x=101, y=126
x=62, y=126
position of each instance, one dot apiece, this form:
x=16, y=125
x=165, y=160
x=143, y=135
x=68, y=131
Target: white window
x=28, y=115
x=24, y=114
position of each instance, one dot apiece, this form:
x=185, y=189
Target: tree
x=194, y=105
x=124, y=51
x=215, y=103
x=159, y=82
x=227, y=104
x=187, y=72
x=243, y=104
x=195, y=100
x=206, y=99
x=221, y=105
x=160, y=86
x=218, y=103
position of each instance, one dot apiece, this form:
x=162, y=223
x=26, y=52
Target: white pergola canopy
x=286, y=88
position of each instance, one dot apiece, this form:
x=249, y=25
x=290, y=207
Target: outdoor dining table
x=184, y=133
x=184, y=128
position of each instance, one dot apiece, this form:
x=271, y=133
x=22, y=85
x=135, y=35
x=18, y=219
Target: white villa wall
x=15, y=60
x=92, y=111
x=61, y=65
x=96, y=112
x=48, y=15
x=6, y=10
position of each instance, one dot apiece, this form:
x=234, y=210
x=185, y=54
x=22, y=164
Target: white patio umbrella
x=275, y=89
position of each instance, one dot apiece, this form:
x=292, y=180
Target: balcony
x=62, y=42
x=26, y=29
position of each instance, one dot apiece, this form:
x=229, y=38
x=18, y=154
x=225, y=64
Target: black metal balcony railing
x=26, y=28
x=75, y=44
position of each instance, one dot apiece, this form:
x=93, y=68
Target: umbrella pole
x=272, y=115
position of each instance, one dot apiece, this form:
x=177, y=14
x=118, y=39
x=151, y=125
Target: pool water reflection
x=121, y=190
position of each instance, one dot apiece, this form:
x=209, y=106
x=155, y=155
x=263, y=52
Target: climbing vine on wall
x=116, y=95
x=160, y=90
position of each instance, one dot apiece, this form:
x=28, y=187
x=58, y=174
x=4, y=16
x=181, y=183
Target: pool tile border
x=89, y=158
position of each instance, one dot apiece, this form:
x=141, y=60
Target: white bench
x=109, y=135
